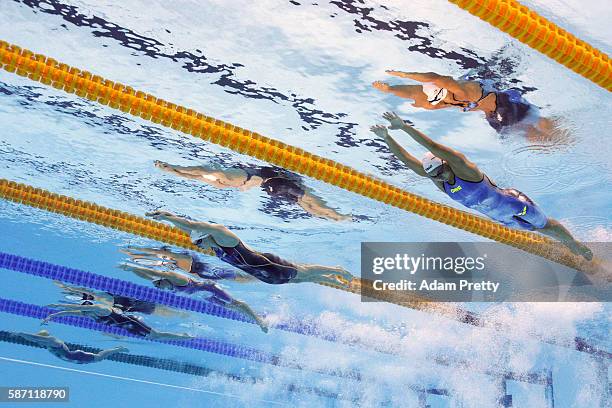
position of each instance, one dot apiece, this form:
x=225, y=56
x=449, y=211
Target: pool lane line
x=543, y=35
x=48, y=71
x=122, y=221
x=166, y=364
x=198, y=343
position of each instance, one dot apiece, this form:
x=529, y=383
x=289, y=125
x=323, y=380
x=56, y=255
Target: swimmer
x=266, y=267
x=502, y=109
x=59, y=349
x=186, y=261
x=276, y=182
x=174, y=281
x=114, y=317
x=123, y=303
x=465, y=183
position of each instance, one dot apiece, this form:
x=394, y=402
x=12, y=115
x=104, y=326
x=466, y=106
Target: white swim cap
x=431, y=162
x=435, y=95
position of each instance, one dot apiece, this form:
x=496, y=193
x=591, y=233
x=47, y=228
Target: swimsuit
x=206, y=271
x=266, y=267
x=277, y=183
x=76, y=356
x=127, y=304
x=217, y=295
x=127, y=322
x=507, y=206
x=510, y=106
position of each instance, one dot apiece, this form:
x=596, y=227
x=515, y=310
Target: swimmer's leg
x=555, y=229
x=159, y=335
x=219, y=233
x=317, y=207
x=107, y=353
x=245, y=309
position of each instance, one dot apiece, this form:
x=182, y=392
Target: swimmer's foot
x=381, y=86
x=263, y=325
x=580, y=249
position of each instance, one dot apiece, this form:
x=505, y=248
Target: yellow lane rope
x=123, y=221
x=118, y=96
x=527, y=26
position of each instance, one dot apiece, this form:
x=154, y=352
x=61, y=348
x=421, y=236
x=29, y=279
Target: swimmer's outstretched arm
x=45, y=340
x=458, y=162
x=409, y=160
x=221, y=235
x=152, y=274
x=63, y=313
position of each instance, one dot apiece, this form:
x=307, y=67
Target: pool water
x=300, y=72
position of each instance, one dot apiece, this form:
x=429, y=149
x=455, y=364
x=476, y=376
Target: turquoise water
x=300, y=73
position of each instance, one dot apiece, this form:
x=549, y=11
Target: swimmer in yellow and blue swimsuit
x=465, y=183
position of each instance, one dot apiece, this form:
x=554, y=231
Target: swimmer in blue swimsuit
x=59, y=349
x=177, y=282
x=276, y=182
x=465, y=183
x=114, y=317
x=264, y=266
x=503, y=109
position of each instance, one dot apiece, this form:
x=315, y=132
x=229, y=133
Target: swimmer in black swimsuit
x=114, y=317
x=266, y=267
x=59, y=349
x=502, y=109
x=276, y=182
x=178, y=282
x=188, y=262
x=125, y=304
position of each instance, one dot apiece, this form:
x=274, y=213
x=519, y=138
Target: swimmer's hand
x=395, y=121
x=380, y=131
x=159, y=214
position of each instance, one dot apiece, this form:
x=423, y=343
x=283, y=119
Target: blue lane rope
x=140, y=292
x=199, y=343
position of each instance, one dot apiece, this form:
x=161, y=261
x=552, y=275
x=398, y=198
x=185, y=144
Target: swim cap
x=434, y=94
x=431, y=162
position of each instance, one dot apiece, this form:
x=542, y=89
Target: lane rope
x=50, y=72
x=543, y=35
